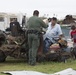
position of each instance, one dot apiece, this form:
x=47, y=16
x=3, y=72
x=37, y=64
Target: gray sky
x=58, y=7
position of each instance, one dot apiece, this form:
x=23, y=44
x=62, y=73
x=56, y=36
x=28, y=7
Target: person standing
x=15, y=27
x=24, y=21
x=34, y=26
x=73, y=34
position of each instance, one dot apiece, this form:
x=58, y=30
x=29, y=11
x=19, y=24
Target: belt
x=33, y=32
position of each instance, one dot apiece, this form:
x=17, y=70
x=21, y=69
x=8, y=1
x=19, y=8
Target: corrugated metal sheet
x=25, y=73
x=68, y=71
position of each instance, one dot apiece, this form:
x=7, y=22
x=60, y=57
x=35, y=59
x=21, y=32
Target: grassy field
x=45, y=67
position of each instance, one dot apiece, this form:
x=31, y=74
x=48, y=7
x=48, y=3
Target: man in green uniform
x=34, y=26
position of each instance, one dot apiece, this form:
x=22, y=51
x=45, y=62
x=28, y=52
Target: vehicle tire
x=2, y=56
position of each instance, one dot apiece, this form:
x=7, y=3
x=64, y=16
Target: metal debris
x=68, y=71
x=25, y=73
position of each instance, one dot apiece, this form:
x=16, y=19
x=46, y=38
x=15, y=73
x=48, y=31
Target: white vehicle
x=5, y=19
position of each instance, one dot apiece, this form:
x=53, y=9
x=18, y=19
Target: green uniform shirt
x=36, y=23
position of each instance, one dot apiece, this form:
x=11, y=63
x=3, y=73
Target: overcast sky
x=50, y=7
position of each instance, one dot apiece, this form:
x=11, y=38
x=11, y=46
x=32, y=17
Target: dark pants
x=47, y=44
x=33, y=41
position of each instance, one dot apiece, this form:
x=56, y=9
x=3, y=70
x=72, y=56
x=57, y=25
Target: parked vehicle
x=6, y=18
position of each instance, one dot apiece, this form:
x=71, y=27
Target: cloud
x=44, y=6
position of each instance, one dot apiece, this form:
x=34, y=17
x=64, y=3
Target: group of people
x=34, y=27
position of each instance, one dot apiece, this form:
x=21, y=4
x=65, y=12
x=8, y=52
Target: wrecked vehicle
x=59, y=51
x=12, y=46
x=17, y=47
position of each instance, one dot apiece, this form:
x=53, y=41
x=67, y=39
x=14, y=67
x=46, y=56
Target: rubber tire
x=2, y=56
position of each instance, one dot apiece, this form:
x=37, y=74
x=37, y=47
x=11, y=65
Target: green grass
x=45, y=67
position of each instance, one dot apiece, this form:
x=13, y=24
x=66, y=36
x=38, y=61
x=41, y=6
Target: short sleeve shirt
x=53, y=32
x=73, y=35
